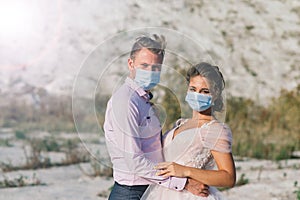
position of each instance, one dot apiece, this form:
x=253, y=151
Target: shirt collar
x=137, y=88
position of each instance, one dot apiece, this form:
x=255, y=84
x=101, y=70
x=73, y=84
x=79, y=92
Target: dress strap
x=209, y=123
x=180, y=122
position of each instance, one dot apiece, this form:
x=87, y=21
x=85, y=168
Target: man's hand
x=197, y=188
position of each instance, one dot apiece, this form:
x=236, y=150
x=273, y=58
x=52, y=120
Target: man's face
x=146, y=60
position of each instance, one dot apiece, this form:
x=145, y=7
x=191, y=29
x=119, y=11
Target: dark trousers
x=125, y=192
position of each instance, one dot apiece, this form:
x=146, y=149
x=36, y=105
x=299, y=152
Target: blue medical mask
x=147, y=79
x=198, y=102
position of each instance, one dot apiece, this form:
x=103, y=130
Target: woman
x=194, y=146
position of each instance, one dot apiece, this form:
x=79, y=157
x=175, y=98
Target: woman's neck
x=201, y=116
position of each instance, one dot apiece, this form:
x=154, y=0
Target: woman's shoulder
x=217, y=127
x=217, y=136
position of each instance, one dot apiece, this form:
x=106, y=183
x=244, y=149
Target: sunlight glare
x=17, y=18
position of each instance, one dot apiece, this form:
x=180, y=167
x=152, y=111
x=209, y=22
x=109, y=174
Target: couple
x=180, y=164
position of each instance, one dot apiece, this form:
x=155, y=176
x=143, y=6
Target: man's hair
x=156, y=45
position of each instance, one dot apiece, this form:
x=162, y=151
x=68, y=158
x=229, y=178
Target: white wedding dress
x=192, y=148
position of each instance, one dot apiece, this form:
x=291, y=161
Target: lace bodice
x=193, y=147
x=202, y=160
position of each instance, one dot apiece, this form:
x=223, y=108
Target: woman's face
x=199, y=84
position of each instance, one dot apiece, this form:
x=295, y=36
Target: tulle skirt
x=156, y=192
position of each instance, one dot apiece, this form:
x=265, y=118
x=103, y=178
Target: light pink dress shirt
x=133, y=138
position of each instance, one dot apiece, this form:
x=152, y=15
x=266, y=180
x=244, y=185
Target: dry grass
x=270, y=132
x=52, y=114
x=35, y=158
x=266, y=132
x=20, y=181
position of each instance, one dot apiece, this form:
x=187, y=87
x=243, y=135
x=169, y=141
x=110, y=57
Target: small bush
x=20, y=181
x=5, y=143
x=74, y=156
x=242, y=180
x=20, y=134
x=99, y=168
x=50, y=144
x=35, y=159
x=297, y=191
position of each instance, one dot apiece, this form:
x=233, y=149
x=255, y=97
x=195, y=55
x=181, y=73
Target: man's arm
x=129, y=144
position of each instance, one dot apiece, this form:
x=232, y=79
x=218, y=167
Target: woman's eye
x=204, y=91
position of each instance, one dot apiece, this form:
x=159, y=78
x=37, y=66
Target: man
x=132, y=129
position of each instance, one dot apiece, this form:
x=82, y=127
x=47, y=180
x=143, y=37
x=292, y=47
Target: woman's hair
x=215, y=81
x=156, y=45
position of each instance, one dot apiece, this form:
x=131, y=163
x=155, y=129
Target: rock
x=256, y=43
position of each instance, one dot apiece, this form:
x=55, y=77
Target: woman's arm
x=223, y=177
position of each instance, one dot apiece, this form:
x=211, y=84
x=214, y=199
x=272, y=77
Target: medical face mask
x=198, y=102
x=147, y=79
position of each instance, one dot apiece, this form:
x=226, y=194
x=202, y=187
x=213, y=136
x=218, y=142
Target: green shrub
x=242, y=180
x=20, y=134
x=5, y=143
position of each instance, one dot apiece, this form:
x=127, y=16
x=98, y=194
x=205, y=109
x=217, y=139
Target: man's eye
x=156, y=67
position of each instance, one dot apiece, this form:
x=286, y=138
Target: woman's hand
x=167, y=169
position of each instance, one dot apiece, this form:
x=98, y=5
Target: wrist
x=187, y=172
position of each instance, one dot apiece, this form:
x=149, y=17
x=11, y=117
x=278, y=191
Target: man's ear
x=131, y=68
x=130, y=64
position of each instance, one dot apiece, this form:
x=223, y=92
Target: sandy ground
x=266, y=179
x=61, y=183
